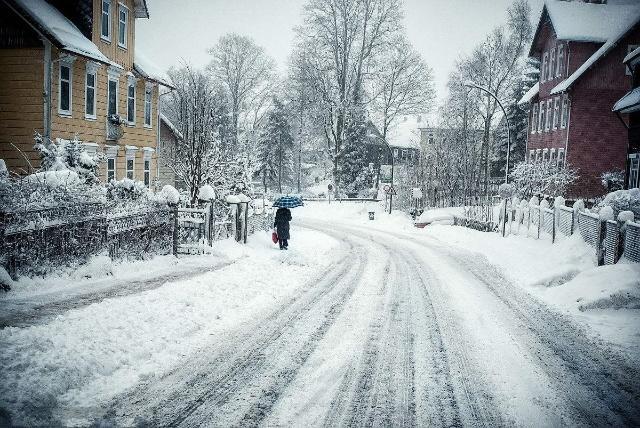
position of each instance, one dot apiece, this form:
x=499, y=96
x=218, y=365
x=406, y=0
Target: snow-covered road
x=391, y=331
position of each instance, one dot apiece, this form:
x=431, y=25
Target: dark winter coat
x=283, y=217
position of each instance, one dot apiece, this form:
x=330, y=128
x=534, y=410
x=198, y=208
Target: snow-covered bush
x=506, y=190
x=612, y=180
x=622, y=200
x=126, y=190
x=625, y=216
x=168, y=195
x=558, y=202
x=68, y=155
x=544, y=203
x=206, y=193
x=606, y=213
x=578, y=206
x=534, y=201
x=57, y=178
x=524, y=204
x=4, y=172
x=542, y=177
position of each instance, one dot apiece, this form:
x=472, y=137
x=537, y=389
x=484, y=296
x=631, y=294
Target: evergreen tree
x=519, y=121
x=354, y=172
x=275, y=148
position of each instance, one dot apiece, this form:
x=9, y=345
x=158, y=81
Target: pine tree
x=275, y=148
x=354, y=172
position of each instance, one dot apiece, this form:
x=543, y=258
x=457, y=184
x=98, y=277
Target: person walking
x=281, y=223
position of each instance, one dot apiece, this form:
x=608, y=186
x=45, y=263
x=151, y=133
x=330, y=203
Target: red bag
x=274, y=237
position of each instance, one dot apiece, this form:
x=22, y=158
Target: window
x=131, y=103
x=147, y=172
x=105, y=32
x=541, y=117
x=123, y=15
x=630, y=48
x=560, y=61
x=395, y=153
x=538, y=154
x=552, y=64
x=547, y=121
x=111, y=169
x=130, y=165
x=543, y=69
x=545, y=155
x=112, y=96
x=532, y=155
x=565, y=111
x=404, y=154
x=90, y=90
x=556, y=112
x=534, y=118
x=147, y=106
x=560, y=157
x=634, y=171
x=64, y=89
x=552, y=156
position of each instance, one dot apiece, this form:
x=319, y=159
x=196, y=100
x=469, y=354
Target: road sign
x=386, y=188
x=391, y=190
x=330, y=187
x=416, y=193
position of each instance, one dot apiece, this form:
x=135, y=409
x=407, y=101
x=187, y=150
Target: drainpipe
x=48, y=66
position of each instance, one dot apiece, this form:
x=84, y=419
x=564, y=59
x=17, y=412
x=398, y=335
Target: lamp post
x=470, y=84
x=386, y=143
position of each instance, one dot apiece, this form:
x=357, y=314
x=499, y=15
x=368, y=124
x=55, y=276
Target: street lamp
x=470, y=84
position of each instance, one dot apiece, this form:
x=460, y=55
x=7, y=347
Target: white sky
x=441, y=30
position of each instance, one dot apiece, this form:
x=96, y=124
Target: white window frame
x=148, y=102
x=538, y=154
x=560, y=61
x=564, y=117
x=552, y=64
x=113, y=75
x=131, y=82
x=630, y=48
x=556, y=113
x=545, y=155
x=107, y=37
x=130, y=156
x=146, y=175
x=112, y=154
x=534, y=118
x=547, y=119
x=541, y=116
x=545, y=60
x=552, y=156
x=91, y=69
x=125, y=9
x=561, y=155
x=634, y=171
x=66, y=62
x=532, y=155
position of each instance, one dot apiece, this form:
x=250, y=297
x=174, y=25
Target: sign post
x=329, y=190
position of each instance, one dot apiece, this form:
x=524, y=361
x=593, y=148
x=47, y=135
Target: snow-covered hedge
x=622, y=200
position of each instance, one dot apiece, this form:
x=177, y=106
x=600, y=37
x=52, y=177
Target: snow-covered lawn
x=84, y=356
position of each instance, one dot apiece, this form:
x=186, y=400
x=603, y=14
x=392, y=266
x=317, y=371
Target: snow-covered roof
x=406, y=134
x=632, y=55
x=59, y=29
x=629, y=103
x=171, y=126
x=140, y=9
x=532, y=92
x=149, y=70
x=590, y=22
x=627, y=21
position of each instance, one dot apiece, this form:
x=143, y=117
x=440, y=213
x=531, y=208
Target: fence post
x=175, y=230
x=246, y=222
x=602, y=225
x=540, y=220
x=573, y=221
x=553, y=228
x=211, y=224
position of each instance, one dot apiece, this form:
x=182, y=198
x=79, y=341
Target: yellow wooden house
x=70, y=69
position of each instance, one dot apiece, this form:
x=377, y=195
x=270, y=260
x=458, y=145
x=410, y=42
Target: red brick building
x=581, y=46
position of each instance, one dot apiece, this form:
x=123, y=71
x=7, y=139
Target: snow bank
x=102, y=349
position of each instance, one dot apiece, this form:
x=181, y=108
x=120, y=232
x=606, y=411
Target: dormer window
x=105, y=25
x=123, y=15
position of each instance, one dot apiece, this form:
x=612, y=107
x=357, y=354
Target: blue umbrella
x=288, y=202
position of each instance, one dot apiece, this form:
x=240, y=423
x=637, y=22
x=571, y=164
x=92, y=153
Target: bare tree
x=339, y=40
x=246, y=73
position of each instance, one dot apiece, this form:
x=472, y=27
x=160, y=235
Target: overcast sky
x=441, y=30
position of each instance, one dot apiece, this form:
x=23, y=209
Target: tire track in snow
x=244, y=380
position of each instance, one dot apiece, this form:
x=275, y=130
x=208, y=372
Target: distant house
x=71, y=69
x=169, y=138
x=629, y=107
x=581, y=46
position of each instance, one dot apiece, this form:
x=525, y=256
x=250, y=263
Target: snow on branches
x=542, y=177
